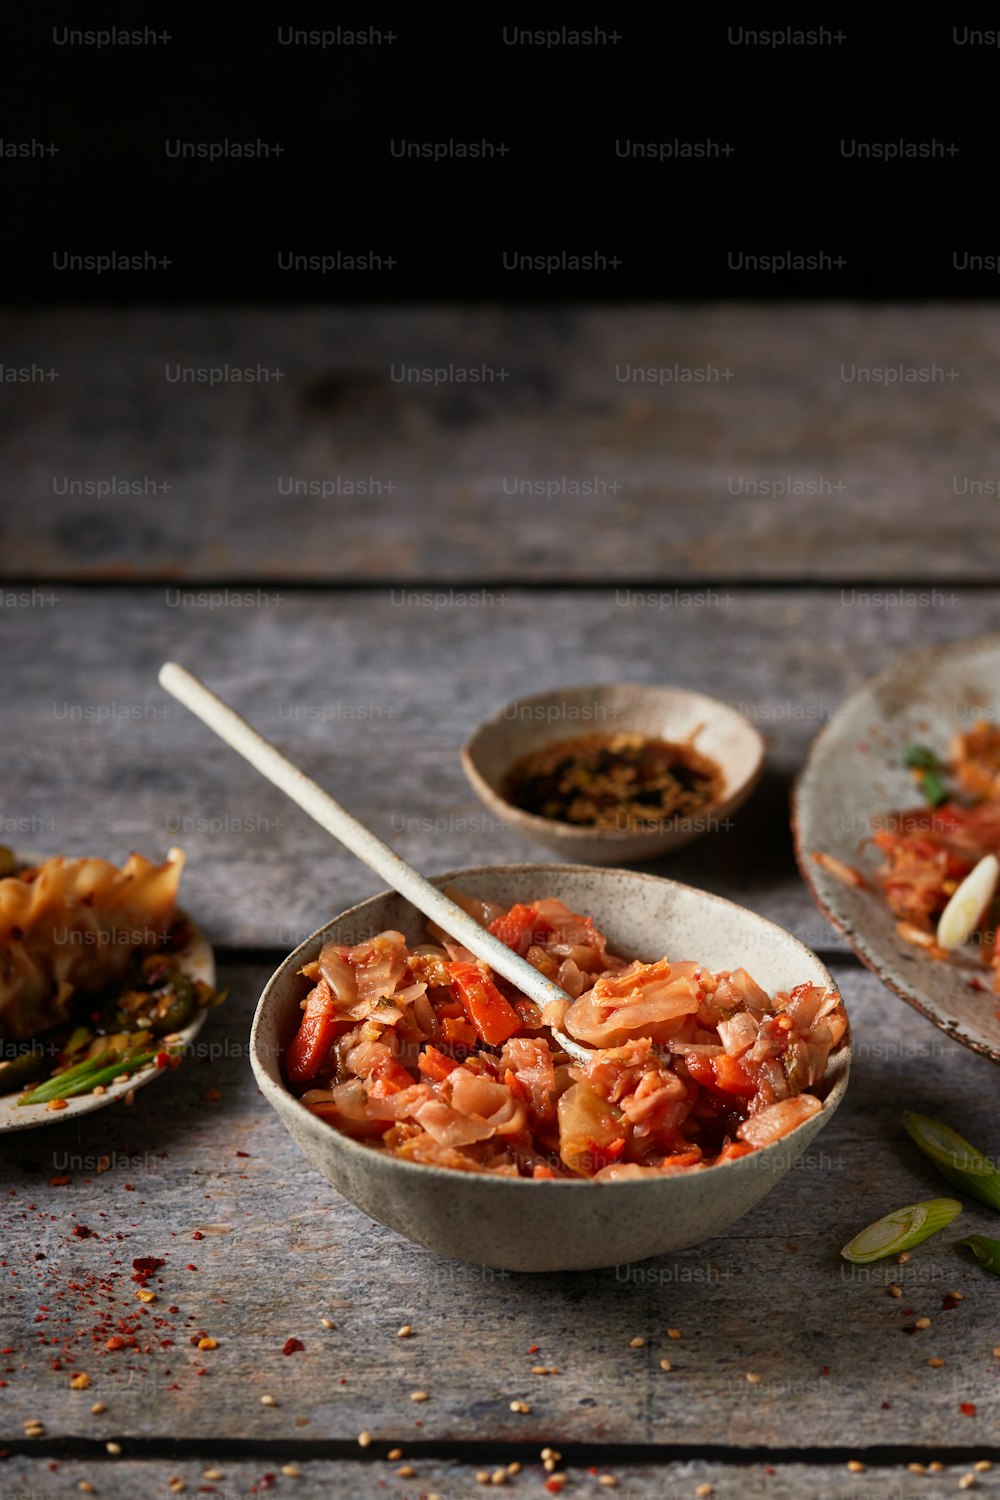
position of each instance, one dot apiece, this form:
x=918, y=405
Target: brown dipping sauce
x=613, y=781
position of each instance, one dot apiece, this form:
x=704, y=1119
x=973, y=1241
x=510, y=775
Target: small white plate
x=853, y=773
x=197, y=961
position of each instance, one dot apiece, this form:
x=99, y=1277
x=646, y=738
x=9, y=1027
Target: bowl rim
x=551, y=827
x=840, y=1059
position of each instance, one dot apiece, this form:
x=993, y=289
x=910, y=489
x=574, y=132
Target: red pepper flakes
x=533, y=1349
x=197, y=1235
x=145, y=1265
x=555, y=1484
x=292, y=1346
x=949, y=1303
x=967, y=1408
x=82, y=1232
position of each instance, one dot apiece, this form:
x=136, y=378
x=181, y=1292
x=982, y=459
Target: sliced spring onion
x=919, y=758
x=901, y=1230
x=963, y=1164
x=986, y=1251
x=84, y=1079
x=962, y=915
x=54, y=1087
x=933, y=789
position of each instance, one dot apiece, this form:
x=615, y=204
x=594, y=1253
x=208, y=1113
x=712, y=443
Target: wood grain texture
x=280, y=1250
x=124, y=1478
x=790, y=451
x=374, y=699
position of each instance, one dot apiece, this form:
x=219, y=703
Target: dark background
x=786, y=187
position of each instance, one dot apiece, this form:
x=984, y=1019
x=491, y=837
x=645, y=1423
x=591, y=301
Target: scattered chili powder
x=292, y=1346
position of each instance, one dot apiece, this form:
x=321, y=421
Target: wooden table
x=772, y=537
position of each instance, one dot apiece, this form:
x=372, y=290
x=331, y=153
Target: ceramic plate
x=198, y=962
x=853, y=773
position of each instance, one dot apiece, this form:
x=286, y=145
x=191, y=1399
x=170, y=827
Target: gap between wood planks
x=530, y=584
x=485, y=1451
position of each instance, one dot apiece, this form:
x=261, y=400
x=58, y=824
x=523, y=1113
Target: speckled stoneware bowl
x=522, y=1224
x=854, y=774
x=670, y=713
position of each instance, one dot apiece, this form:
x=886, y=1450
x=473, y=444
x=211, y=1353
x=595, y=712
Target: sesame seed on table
x=181, y=1294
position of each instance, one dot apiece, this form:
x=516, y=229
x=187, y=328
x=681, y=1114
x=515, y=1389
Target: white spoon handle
x=327, y=811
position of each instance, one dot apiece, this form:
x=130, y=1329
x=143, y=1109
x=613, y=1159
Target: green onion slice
x=933, y=789
x=919, y=758
x=901, y=1230
x=986, y=1251
x=55, y=1087
x=85, y=1078
x=963, y=1164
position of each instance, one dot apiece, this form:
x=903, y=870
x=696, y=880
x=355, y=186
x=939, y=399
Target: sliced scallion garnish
x=933, y=789
x=87, y=1077
x=986, y=1251
x=901, y=1230
x=923, y=759
x=919, y=758
x=54, y=1087
x=963, y=1164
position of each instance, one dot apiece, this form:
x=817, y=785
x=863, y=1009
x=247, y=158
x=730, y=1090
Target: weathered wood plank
x=375, y=699
x=433, y=1479
x=764, y=442
x=280, y=1250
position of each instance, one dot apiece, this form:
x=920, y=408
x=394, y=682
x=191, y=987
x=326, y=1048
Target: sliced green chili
x=16, y=1072
x=919, y=758
x=901, y=1230
x=933, y=789
x=963, y=1164
x=986, y=1251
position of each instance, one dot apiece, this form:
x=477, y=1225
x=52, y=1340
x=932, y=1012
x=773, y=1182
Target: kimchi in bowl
x=545, y=1223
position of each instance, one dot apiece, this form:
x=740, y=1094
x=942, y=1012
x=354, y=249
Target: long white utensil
x=369, y=848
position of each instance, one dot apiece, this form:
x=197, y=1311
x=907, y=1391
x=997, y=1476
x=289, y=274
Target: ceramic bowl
x=669, y=713
x=526, y=1225
x=853, y=776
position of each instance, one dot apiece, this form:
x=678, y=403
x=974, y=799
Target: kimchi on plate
x=423, y=1053
x=942, y=851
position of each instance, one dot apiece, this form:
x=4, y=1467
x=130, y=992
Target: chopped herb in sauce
x=614, y=782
